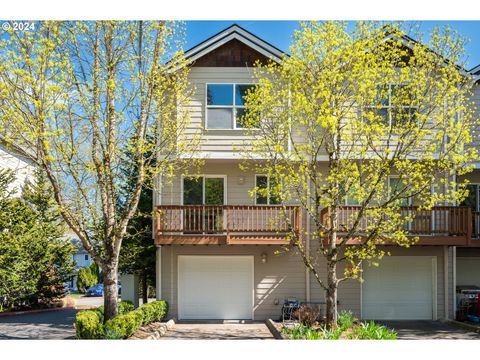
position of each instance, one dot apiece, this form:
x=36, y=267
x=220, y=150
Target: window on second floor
x=225, y=105
x=393, y=104
x=265, y=183
x=86, y=257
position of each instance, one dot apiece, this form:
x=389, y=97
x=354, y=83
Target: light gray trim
x=158, y=272
x=233, y=32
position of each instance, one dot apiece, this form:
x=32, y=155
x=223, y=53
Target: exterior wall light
x=263, y=257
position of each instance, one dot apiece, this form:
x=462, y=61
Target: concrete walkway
x=45, y=325
x=218, y=331
x=429, y=330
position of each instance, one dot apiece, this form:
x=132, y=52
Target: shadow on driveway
x=428, y=330
x=47, y=325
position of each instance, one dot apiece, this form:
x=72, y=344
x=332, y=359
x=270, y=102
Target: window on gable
x=226, y=105
x=393, y=105
x=263, y=196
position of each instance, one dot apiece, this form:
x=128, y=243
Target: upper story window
x=86, y=257
x=393, y=104
x=264, y=196
x=226, y=105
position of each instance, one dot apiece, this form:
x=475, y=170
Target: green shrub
x=149, y=312
x=125, y=306
x=372, y=331
x=160, y=309
x=345, y=320
x=123, y=326
x=88, y=324
x=302, y=332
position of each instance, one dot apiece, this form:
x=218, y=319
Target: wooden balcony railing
x=226, y=224
x=441, y=225
x=476, y=226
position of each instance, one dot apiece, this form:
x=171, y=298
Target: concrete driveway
x=46, y=325
x=218, y=331
x=428, y=330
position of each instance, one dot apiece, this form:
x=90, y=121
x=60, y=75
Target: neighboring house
x=81, y=258
x=14, y=158
x=211, y=276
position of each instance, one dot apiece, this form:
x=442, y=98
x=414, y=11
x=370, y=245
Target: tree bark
x=110, y=290
x=144, y=286
x=331, y=292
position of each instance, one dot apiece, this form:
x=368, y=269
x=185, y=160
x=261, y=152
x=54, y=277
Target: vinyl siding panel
x=213, y=140
x=281, y=277
x=22, y=168
x=349, y=292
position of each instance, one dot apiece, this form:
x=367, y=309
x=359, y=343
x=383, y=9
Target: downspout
x=454, y=281
x=445, y=282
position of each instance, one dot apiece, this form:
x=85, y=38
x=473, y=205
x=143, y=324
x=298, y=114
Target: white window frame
x=268, y=187
x=389, y=106
x=233, y=107
x=204, y=176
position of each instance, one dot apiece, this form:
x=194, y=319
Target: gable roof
x=234, y=32
x=475, y=70
x=12, y=147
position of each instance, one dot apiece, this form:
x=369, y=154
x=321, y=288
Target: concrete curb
x=26, y=312
x=462, y=325
x=273, y=329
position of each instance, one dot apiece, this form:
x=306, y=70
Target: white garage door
x=468, y=271
x=401, y=288
x=215, y=287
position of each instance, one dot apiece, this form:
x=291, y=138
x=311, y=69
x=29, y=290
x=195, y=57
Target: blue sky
x=279, y=33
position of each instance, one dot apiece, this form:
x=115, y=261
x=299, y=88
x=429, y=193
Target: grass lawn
x=76, y=296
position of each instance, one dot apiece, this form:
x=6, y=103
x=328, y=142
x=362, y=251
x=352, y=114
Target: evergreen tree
x=137, y=255
x=35, y=257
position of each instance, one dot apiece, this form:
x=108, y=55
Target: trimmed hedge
x=89, y=323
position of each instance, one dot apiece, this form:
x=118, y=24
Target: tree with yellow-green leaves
x=78, y=97
x=364, y=116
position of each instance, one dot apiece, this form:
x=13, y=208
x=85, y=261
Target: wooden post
x=227, y=227
x=469, y=226
x=298, y=223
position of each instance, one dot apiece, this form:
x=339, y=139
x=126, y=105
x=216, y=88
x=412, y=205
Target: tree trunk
x=144, y=286
x=110, y=290
x=331, y=293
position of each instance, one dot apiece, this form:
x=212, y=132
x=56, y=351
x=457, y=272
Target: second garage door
x=401, y=288
x=215, y=287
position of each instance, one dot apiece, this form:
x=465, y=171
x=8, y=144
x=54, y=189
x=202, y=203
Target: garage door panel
x=399, y=289
x=215, y=287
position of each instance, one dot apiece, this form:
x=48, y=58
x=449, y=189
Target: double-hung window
x=263, y=195
x=225, y=107
x=394, y=105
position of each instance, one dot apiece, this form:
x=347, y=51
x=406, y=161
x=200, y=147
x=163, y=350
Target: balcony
x=441, y=225
x=225, y=224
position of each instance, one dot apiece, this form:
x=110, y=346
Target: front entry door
x=203, y=190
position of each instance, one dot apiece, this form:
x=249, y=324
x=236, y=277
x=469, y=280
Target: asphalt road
x=46, y=325
x=429, y=330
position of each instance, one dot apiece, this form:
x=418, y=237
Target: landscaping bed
x=89, y=323
x=348, y=328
